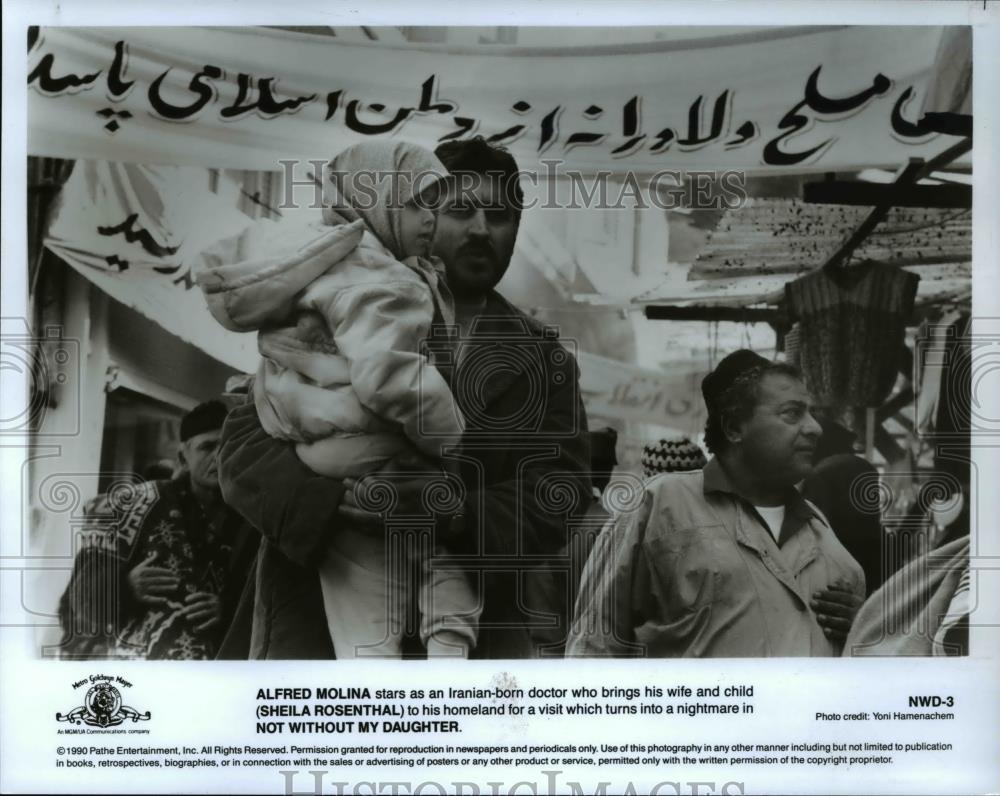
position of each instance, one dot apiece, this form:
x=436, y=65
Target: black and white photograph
x=558, y=396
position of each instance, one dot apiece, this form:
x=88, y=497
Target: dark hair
x=602, y=456
x=207, y=416
x=157, y=471
x=477, y=156
x=738, y=400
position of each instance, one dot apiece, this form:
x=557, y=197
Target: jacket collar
x=500, y=317
x=798, y=513
x=798, y=510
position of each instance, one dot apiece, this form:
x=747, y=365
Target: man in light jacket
x=728, y=561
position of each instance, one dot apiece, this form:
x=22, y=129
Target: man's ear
x=181, y=457
x=732, y=430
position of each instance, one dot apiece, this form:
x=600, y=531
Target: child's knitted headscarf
x=372, y=180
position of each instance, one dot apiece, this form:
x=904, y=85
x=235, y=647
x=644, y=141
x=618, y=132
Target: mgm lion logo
x=102, y=707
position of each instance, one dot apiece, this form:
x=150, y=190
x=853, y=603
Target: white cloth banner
x=671, y=398
x=783, y=99
x=134, y=231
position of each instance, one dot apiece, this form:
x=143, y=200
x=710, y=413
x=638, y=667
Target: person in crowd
x=836, y=486
x=671, y=456
x=160, y=470
x=524, y=456
x=343, y=375
x=936, y=510
x=923, y=609
x=730, y=560
x=603, y=460
x=163, y=564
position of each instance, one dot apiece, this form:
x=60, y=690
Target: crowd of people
x=410, y=471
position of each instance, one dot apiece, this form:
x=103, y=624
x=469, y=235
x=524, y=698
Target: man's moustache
x=478, y=248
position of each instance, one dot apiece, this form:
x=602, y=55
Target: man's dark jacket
x=525, y=463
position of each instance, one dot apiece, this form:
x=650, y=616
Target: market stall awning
x=791, y=237
x=937, y=283
x=759, y=247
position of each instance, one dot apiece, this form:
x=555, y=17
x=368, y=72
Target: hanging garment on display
x=793, y=345
x=852, y=325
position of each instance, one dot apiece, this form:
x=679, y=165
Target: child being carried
x=341, y=318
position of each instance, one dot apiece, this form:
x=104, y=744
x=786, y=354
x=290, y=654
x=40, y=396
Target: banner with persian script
x=779, y=100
